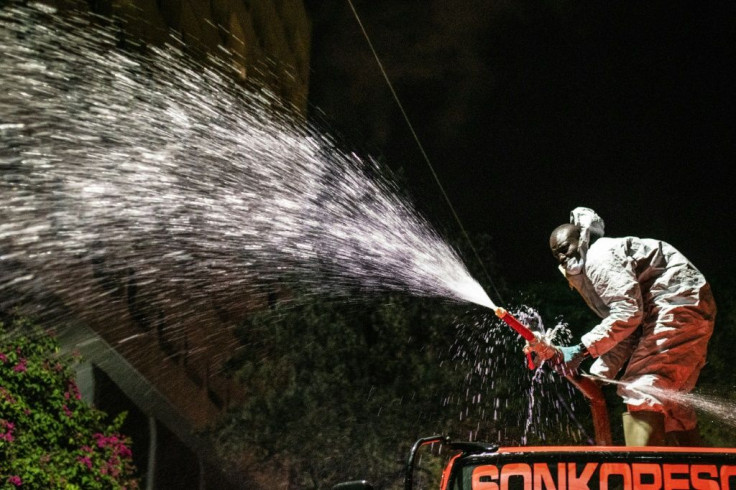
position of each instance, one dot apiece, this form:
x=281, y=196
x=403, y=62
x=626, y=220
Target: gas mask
x=573, y=266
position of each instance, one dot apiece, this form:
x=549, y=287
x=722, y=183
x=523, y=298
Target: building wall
x=267, y=40
x=268, y=43
x=181, y=358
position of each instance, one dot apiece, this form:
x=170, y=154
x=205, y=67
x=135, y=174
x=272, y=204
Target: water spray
x=589, y=388
x=722, y=409
x=519, y=328
x=173, y=176
x=512, y=322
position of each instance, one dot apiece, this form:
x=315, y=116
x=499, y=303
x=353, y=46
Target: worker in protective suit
x=657, y=314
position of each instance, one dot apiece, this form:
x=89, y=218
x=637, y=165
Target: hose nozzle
x=519, y=328
x=512, y=322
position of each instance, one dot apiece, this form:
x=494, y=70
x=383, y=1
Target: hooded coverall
x=657, y=312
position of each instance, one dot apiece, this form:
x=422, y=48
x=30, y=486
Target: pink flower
x=73, y=389
x=85, y=460
x=15, y=480
x=125, y=451
x=101, y=439
x=67, y=412
x=3, y=358
x=21, y=367
x=7, y=431
x=105, y=441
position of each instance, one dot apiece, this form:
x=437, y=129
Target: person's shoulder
x=606, y=248
x=607, y=243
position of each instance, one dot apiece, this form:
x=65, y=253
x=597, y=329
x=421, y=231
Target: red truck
x=480, y=466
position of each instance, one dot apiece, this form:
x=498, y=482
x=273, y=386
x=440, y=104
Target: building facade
x=167, y=371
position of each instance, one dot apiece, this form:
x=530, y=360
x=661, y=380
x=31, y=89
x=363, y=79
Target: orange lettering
x=699, y=483
x=516, y=469
x=608, y=469
x=672, y=483
x=641, y=469
x=633, y=476
x=561, y=476
x=727, y=472
x=580, y=482
x=485, y=478
x=543, y=478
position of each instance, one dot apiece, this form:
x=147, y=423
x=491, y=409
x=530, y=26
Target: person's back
x=662, y=273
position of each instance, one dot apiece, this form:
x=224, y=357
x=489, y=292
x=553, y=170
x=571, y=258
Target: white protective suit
x=658, y=313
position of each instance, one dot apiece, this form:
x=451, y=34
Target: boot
x=643, y=428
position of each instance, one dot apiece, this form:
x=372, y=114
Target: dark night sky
x=528, y=109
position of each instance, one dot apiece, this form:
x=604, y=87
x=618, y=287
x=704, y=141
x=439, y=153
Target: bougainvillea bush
x=49, y=436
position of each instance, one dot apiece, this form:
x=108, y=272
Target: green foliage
x=49, y=437
x=336, y=393
x=341, y=391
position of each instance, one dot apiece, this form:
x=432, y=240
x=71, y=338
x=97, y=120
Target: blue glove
x=571, y=357
x=570, y=352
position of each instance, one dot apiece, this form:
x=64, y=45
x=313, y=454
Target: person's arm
x=614, y=279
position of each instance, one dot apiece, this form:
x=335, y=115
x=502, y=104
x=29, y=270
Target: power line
x=421, y=149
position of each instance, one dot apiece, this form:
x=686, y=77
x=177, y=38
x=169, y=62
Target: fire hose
x=589, y=388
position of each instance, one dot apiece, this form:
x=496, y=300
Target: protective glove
x=570, y=357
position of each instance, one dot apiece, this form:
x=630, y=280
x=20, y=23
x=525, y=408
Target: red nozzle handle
x=530, y=362
x=521, y=329
x=512, y=322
